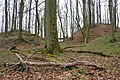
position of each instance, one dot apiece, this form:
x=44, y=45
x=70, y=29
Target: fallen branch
x=61, y=65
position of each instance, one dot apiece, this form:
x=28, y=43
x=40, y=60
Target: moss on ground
x=103, y=44
x=7, y=57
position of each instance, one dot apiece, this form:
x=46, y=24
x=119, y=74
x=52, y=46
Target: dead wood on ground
x=60, y=65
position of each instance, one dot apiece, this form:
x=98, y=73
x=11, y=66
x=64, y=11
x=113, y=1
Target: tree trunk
x=13, y=14
x=99, y=12
x=71, y=23
x=2, y=22
x=36, y=26
x=59, y=15
x=6, y=19
x=51, y=27
x=26, y=19
x=20, y=18
x=93, y=13
x=66, y=18
x=78, y=20
x=29, y=17
x=15, y=21
x=37, y=17
x=113, y=39
x=115, y=12
x=85, y=39
x=9, y=12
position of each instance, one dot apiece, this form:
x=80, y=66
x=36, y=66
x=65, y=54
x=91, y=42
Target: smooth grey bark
x=85, y=22
x=9, y=15
x=29, y=16
x=61, y=24
x=2, y=26
x=99, y=11
x=26, y=19
x=114, y=13
x=78, y=20
x=37, y=17
x=21, y=18
x=113, y=39
x=71, y=22
x=93, y=13
x=77, y=15
x=15, y=21
x=51, y=27
x=41, y=27
x=6, y=19
x=66, y=18
x=13, y=16
x=36, y=26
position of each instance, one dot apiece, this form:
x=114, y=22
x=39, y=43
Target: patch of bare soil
x=111, y=71
x=98, y=31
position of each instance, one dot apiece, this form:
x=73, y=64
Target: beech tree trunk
x=6, y=19
x=52, y=44
x=61, y=24
x=29, y=16
x=113, y=39
x=71, y=18
x=15, y=21
x=13, y=17
x=20, y=18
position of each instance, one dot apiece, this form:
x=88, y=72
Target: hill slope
x=98, y=31
x=103, y=45
x=29, y=41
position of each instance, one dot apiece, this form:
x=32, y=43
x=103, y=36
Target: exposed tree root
x=72, y=47
x=21, y=40
x=92, y=52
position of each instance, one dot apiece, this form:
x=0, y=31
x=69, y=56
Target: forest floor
x=73, y=50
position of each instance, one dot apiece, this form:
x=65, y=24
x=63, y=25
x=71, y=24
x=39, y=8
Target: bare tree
x=52, y=44
x=13, y=16
x=15, y=21
x=6, y=19
x=113, y=39
x=9, y=15
x=66, y=17
x=71, y=18
x=29, y=16
x=21, y=18
x=37, y=17
x=99, y=11
x=93, y=13
x=2, y=27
